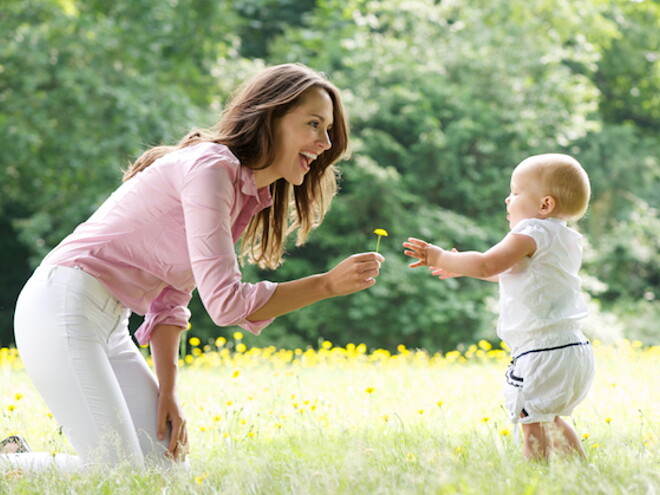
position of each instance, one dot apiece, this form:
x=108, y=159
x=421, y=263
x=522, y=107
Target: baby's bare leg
x=537, y=443
x=569, y=441
x=540, y=440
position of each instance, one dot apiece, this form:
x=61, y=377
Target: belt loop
x=111, y=305
x=49, y=274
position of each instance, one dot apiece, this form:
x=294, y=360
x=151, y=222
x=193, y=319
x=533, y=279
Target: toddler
x=537, y=266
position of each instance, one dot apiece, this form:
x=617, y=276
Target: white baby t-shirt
x=540, y=295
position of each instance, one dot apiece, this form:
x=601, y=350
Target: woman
x=263, y=172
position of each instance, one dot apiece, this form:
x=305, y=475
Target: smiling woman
x=264, y=171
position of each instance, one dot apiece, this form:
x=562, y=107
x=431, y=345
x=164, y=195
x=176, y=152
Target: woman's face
x=301, y=136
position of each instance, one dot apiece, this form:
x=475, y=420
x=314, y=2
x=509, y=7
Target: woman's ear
x=548, y=205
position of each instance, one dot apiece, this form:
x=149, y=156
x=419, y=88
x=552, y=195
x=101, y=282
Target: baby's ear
x=548, y=206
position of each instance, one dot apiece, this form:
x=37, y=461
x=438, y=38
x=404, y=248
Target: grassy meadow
x=354, y=421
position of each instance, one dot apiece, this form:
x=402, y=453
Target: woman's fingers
x=355, y=273
x=178, y=447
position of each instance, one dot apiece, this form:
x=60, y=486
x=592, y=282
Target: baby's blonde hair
x=562, y=177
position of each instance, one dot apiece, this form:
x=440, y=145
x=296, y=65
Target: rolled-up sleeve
x=169, y=308
x=208, y=196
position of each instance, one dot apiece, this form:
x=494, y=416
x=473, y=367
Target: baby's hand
x=422, y=250
x=443, y=274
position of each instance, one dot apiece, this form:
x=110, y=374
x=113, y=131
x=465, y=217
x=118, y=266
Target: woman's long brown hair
x=246, y=127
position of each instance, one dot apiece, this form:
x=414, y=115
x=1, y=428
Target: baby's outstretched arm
x=500, y=257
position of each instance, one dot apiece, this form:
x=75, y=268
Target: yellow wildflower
x=380, y=233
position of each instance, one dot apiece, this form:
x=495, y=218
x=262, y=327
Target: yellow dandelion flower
x=380, y=233
x=188, y=326
x=386, y=418
x=421, y=411
x=18, y=396
x=236, y=374
x=238, y=336
x=370, y=390
x=504, y=432
x=11, y=408
x=241, y=348
x=250, y=434
x=585, y=436
x=220, y=341
x=485, y=419
x=595, y=446
x=439, y=403
x=485, y=345
x=410, y=457
x=217, y=418
x=608, y=420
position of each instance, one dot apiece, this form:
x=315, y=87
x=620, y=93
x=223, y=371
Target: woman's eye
x=314, y=124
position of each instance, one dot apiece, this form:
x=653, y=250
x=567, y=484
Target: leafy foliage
x=445, y=98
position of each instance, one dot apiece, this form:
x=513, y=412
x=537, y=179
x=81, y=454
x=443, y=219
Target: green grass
x=342, y=423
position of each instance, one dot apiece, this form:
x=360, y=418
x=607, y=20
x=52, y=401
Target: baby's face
x=526, y=197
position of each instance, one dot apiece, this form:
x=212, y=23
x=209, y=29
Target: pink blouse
x=169, y=229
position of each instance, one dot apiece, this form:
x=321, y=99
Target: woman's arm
x=500, y=257
x=165, y=352
x=355, y=273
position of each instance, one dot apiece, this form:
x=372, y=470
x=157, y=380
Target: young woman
x=265, y=171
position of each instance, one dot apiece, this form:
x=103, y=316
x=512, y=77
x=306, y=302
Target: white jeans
x=72, y=336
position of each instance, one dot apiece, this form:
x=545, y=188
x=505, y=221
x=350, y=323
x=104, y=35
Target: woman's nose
x=325, y=141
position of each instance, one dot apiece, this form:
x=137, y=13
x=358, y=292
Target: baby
x=537, y=266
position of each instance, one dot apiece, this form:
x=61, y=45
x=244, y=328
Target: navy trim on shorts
x=549, y=349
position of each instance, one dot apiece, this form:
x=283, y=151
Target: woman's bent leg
x=63, y=321
x=140, y=391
